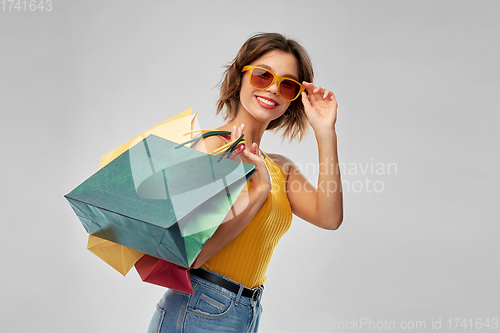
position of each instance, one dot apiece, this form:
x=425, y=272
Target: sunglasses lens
x=261, y=78
x=289, y=89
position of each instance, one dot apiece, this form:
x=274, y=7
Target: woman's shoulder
x=210, y=143
x=282, y=161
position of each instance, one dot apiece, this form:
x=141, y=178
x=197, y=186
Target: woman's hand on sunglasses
x=320, y=106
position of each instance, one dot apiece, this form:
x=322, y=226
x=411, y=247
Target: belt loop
x=239, y=294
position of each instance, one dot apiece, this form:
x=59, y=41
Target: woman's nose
x=273, y=88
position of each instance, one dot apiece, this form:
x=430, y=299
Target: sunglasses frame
x=275, y=78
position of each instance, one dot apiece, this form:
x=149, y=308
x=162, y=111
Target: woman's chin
x=265, y=116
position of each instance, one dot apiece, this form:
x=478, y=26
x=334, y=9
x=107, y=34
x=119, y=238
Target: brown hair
x=294, y=120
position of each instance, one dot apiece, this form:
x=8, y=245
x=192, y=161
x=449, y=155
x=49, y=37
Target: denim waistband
x=241, y=299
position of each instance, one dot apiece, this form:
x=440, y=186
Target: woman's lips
x=267, y=103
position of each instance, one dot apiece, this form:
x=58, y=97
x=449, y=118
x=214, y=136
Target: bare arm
x=323, y=206
x=245, y=207
x=230, y=229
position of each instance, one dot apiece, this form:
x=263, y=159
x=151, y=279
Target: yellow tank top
x=246, y=258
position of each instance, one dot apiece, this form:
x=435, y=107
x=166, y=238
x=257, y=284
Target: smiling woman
x=264, y=88
x=294, y=121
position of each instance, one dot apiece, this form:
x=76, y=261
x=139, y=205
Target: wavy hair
x=294, y=121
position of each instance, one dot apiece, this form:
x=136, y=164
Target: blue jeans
x=211, y=308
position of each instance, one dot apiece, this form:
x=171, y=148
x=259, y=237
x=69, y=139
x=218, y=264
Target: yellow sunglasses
x=261, y=78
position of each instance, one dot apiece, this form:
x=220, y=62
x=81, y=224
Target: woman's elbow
x=200, y=260
x=334, y=223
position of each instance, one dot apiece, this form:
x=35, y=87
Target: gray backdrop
x=417, y=83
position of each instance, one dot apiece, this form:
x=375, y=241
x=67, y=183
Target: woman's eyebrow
x=286, y=75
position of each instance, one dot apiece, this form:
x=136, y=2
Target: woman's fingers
x=316, y=92
x=251, y=154
x=261, y=178
x=310, y=92
x=254, y=148
x=306, y=101
x=248, y=157
x=237, y=131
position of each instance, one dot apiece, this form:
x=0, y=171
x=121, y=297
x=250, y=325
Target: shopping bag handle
x=228, y=148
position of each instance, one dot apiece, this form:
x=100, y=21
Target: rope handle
x=229, y=148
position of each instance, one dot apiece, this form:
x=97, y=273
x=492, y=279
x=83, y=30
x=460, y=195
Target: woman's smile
x=267, y=103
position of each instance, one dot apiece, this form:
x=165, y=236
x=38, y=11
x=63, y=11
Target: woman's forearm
x=246, y=207
x=329, y=203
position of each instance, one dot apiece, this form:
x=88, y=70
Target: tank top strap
x=264, y=154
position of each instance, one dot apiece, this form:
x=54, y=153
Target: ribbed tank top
x=245, y=258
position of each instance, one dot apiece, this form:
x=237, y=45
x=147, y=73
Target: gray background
x=417, y=84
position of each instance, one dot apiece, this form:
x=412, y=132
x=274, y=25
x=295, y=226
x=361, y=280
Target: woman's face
x=267, y=105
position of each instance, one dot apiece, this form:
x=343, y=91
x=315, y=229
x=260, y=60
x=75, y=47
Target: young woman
x=268, y=86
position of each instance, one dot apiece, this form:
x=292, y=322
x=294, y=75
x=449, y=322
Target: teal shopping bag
x=160, y=199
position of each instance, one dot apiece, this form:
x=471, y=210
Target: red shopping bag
x=164, y=273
